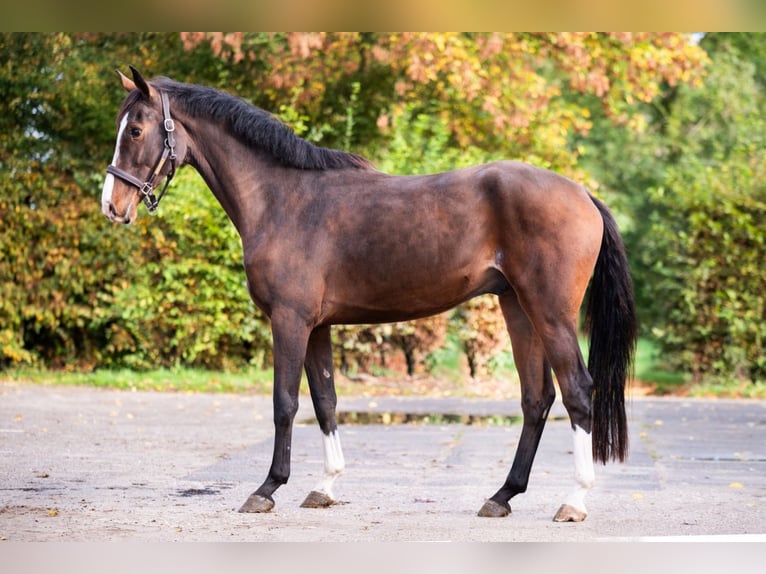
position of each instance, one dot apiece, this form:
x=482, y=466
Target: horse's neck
x=233, y=172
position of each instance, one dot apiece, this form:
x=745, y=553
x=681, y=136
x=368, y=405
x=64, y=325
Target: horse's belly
x=405, y=299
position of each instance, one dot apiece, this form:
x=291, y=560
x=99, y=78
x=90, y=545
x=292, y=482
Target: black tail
x=610, y=318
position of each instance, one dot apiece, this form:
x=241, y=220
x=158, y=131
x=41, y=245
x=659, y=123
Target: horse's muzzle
x=111, y=213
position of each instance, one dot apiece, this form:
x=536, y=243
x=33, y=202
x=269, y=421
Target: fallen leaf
x=658, y=423
x=637, y=495
x=736, y=485
x=53, y=512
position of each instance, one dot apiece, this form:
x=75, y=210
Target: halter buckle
x=146, y=189
x=171, y=148
x=151, y=203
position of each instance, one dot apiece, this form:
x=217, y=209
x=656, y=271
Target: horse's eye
x=135, y=132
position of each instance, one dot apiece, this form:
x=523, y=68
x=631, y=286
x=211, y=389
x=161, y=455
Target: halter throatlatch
x=146, y=188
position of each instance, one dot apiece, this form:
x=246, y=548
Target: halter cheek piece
x=146, y=189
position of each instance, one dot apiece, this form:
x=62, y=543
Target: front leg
x=319, y=370
x=290, y=334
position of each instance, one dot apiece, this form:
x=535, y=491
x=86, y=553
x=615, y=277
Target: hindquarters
x=548, y=239
x=559, y=240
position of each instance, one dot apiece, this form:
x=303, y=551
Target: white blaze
x=106, y=192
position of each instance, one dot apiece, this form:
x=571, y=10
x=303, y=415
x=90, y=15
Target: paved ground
x=81, y=464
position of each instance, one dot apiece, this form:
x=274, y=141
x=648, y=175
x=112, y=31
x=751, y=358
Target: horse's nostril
x=112, y=210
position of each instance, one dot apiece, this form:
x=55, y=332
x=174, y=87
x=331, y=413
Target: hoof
x=492, y=509
x=257, y=503
x=317, y=500
x=569, y=514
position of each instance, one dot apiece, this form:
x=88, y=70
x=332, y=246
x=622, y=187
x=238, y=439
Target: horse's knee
x=284, y=413
x=536, y=408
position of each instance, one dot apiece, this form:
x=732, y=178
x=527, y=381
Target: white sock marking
x=585, y=474
x=106, y=192
x=333, y=462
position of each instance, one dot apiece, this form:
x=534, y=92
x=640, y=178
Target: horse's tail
x=610, y=319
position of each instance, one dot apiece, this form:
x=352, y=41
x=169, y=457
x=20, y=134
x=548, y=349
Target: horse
x=327, y=239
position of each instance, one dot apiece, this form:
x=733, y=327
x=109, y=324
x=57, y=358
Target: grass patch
x=169, y=380
x=448, y=377
x=652, y=369
x=734, y=389
x=448, y=362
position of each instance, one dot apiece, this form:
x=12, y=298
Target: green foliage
x=169, y=380
x=77, y=292
x=624, y=113
x=419, y=142
x=688, y=190
x=706, y=240
x=708, y=248
x=190, y=305
x=479, y=328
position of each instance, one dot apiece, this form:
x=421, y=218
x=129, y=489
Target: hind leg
x=319, y=370
x=576, y=384
x=538, y=395
x=559, y=337
x=551, y=297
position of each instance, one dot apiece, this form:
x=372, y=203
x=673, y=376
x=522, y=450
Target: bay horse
x=327, y=239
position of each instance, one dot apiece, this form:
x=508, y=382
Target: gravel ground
x=83, y=464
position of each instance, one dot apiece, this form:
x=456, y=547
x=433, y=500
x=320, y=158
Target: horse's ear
x=127, y=83
x=140, y=83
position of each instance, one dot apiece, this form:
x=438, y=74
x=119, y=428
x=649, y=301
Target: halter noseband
x=146, y=189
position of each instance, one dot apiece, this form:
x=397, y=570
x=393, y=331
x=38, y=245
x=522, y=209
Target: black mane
x=257, y=127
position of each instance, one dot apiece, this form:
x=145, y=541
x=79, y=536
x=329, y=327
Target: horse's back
x=531, y=187
x=430, y=242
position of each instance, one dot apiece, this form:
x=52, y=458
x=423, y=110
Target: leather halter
x=146, y=188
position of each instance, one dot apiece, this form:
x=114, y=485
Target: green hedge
x=79, y=291
x=706, y=249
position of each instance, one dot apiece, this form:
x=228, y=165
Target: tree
x=75, y=292
x=507, y=94
x=705, y=235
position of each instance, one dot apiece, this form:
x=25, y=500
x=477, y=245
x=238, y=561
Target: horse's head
x=147, y=148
